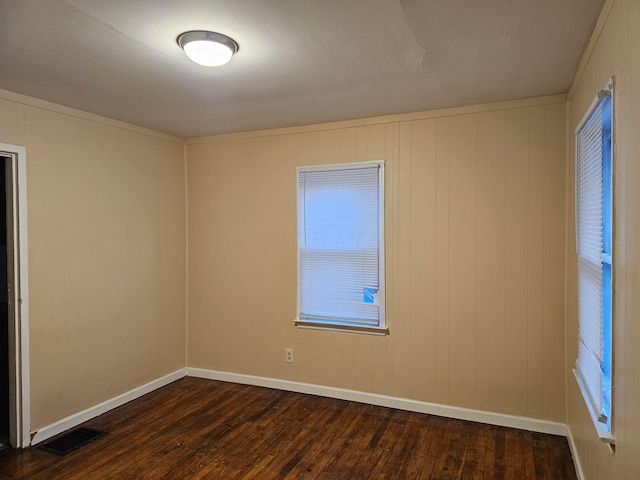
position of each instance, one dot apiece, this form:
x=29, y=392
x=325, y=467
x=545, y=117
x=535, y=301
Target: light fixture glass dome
x=208, y=48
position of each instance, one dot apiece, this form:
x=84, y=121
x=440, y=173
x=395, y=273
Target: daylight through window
x=594, y=222
x=340, y=246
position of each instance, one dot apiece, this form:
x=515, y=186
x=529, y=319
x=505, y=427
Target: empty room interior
x=173, y=268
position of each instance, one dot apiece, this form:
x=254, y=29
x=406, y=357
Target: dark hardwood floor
x=198, y=428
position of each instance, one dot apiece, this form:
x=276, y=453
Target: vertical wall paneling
x=462, y=261
x=535, y=260
x=516, y=245
x=379, y=364
x=422, y=288
x=391, y=252
x=362, y=146
x=491, y=226
x=107, y=250
x=12, y=122
x=404, y=331
x=554, y=220
x=465, y=260
x=442, y=336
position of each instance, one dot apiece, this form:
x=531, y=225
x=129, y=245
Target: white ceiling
x=300, y=61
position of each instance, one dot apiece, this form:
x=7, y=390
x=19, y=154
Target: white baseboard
x=499, y=419
x=574, y=454
x=76, y=419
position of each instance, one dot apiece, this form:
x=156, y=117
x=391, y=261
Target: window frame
x=604, y=424
x=381, y=328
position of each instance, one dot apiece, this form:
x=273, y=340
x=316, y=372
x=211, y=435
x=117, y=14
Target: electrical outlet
x=288, y=355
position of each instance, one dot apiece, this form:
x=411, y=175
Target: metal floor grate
x=71, y=441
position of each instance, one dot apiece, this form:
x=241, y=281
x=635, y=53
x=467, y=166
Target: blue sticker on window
x=369, y=295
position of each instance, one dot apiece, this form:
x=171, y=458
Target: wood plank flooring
x=203, y=429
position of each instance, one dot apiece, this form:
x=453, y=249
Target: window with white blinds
x=340, y=246
x=594, y=248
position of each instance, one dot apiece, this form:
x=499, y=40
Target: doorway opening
x=5, y=409
x=14, y=320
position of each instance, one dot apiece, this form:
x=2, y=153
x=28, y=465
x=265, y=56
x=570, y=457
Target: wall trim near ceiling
x=459, y=413
x=76, y=419
x=91, y=117
x=574, y=454
x=363, y=122
x=401, y=117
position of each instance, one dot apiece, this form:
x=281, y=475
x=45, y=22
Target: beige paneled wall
x=614, y=49
x=107, y=279
x=475, y=220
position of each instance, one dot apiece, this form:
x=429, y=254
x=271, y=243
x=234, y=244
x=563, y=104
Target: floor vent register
x=71, y=441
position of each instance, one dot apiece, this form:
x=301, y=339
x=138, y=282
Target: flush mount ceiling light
x=208, y=48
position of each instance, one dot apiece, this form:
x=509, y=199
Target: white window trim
x=335, y=327
x=604, y=434
x=382, y=328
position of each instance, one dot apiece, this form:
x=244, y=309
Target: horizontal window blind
x=589, y=229
x=339, y=235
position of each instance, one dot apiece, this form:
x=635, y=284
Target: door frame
x=17, y=261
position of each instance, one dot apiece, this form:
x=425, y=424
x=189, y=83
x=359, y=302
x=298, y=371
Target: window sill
x=603, y=434
x=334, y=327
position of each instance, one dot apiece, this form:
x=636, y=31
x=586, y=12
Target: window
x=341, y=247
x=594, y=222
